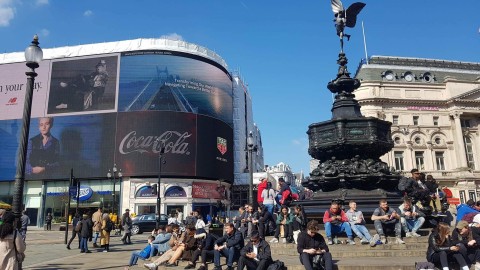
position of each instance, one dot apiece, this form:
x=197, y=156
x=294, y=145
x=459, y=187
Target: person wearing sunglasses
x=256, y=255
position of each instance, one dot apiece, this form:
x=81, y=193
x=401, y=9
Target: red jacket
x=261, y=187
x=327, y=217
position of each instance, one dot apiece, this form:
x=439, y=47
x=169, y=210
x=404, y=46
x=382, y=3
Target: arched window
x=469, y=152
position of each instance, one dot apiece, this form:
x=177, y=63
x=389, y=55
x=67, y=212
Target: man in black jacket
x=265, y=221
x=229, y=246
x=311, y=247
x=256, y=255
x=468, y=239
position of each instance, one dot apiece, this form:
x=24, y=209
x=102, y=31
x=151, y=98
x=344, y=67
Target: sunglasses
x=255, y=240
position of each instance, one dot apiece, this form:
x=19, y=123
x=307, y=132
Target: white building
x=434, y=107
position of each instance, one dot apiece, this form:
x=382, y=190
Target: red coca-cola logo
x=175, y=143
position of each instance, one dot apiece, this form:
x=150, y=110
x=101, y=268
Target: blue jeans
x=134, y=258
x=412, y=224
x=361, y=231
x=269, y=208
x=84, y=244
x=96, y=237
x=229, y=253
x=331, y=229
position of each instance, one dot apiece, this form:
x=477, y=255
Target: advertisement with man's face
x=173, y=81
x=176, y=100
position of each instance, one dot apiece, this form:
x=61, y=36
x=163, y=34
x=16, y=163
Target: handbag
x=318, y=262
x=20, y=257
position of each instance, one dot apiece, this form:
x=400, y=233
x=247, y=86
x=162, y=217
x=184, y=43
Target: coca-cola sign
x=174, y=142
x=141, y=136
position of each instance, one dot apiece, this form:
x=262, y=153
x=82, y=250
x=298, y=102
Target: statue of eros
x=344, y=18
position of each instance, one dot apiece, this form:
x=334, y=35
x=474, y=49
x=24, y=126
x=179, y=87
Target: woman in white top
x=268, y=196
x=200, y=223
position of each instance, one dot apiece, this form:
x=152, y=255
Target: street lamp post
x=113, y=175
x=251, y=147
x=160, y=162
x=33, y=55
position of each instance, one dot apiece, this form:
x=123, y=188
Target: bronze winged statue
x=345, y=18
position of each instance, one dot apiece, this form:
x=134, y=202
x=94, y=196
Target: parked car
x=146, y=223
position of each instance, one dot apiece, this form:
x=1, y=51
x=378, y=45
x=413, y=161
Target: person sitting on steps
x=336, y=221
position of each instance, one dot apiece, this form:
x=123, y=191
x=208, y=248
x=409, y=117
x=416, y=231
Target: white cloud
x=44, y=32
x=173, y=36
x=88, y=13
x=296, y=142
x=7, y=12
x=42, y=2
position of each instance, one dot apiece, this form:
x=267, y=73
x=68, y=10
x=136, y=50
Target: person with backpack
x=268, y=197
x=107, y=227
x=312, y=248
x=284, y=196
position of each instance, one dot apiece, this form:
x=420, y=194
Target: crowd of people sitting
x=244, y=239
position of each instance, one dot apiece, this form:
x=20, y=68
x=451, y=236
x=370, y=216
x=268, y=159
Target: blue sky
x=285, y=50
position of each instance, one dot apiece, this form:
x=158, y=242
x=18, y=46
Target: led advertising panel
x=195, y=145
x=83, y=85
x=13, y=85
x=174, y=81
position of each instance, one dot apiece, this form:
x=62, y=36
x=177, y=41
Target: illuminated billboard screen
x=92, y=112
x=173, y=81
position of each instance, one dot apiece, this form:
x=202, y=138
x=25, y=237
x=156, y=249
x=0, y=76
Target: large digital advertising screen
x=92, y=112
x=174, y=81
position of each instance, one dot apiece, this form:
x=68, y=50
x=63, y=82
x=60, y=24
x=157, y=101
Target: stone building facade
x=434, y=107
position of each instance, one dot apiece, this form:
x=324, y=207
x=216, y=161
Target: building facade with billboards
x=121, y=103
x=434, y=107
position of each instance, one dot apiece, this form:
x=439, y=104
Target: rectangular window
x=395, y=120
x=440, y=160
x=435, y=120
x=465, y=123
x=415, y=120
x=419, y=160
x=462, y=196
x=399, y=161
x=471, y=195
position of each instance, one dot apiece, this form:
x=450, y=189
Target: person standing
x=179, y=216
x=97, y=225
x=75, y=233
x=268, y=196
x=48, y=220
x=385, y=218
x=25, y=222
x=127, y=227
x=86, y=232
x=9, y=241
x=261, y=187
x=255, y=255
x=311, y=245
x=107, y=227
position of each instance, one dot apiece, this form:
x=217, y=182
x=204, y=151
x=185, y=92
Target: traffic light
x=154, y=189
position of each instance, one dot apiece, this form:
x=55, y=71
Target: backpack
x=424, y=266
x=109, y=226
x=78, y=227
x=276, y=265
x=469, y=217
x=403, y=184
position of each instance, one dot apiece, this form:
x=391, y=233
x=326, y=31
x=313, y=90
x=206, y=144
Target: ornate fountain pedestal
x=348, y=148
